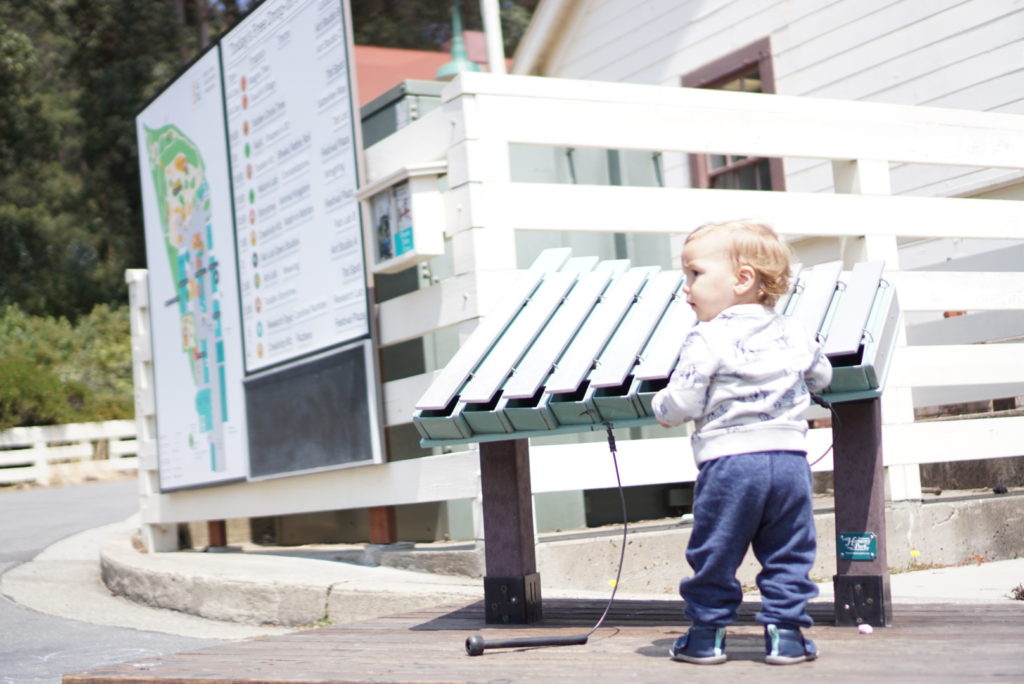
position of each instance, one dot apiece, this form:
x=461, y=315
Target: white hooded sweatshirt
x=745, y=378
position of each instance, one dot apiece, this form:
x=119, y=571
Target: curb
x=291, y=591
x=271, y=590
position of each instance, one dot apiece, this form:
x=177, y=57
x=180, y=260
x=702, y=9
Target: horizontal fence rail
x=51, y=454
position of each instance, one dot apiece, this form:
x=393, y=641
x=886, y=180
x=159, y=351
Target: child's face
x=713, y=283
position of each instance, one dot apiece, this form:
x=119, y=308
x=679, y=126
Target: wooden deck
x=952, y=643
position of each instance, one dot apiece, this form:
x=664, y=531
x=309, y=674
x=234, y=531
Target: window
x=747, y=70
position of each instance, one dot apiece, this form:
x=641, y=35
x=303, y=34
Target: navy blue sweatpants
x=761, y=499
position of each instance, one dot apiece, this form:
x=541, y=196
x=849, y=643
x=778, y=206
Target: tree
x=73, y=75
x=124, y=51
x=427, y=25
x=41, y=256
x=53, y=371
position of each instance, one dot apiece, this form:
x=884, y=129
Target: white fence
x=56, y=454
x=483, y=114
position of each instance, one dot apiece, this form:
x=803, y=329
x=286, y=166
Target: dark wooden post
x=383, y=525
x=218, y=533
x=511, y=580
x=862, y=591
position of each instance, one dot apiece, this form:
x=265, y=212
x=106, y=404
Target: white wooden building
x=894, y=127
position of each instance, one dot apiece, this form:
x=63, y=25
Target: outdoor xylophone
x=577, y=344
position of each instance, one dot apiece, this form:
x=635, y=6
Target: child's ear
x=746, y=280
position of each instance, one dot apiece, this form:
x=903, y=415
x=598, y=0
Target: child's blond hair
x=754, y=244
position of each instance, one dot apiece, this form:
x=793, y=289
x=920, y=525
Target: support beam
x=218, y=533
x=383, y=525
x=511, y=581
x=862, y=591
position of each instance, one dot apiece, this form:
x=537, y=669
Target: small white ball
x=865, y=628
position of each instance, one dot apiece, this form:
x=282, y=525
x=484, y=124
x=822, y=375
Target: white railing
x=56, y=454
x=483, y=114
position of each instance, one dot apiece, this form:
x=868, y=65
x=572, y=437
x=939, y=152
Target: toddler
x=744, y=376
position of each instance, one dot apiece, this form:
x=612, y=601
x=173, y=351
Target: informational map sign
x=193, y=294
x=293, y=158
x=258, y=293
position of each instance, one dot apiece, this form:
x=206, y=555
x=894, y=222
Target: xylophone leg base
x=512, y=600
x=862, y=599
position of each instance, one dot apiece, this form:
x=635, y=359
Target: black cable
x=476, y=644
x=825, y=404
x=625, y=526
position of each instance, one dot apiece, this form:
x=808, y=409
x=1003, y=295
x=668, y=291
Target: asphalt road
x=41, y=648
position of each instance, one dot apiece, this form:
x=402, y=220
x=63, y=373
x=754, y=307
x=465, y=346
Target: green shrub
x=31, y=395
x=53, y=371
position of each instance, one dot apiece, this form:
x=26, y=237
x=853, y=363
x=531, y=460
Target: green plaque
x=858, y=546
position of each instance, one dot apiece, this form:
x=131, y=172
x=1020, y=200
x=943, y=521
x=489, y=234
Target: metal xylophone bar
x=589, y=343
x=579, y=344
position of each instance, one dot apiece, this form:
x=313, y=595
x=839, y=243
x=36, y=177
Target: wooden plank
x=631, y=646
x=551, y=259
x=447, y=303
x=814, y=293
x=588, y=465
x=661, y=353
x=551, y=343
x=957, y=365
x=439, y=477
x=541, y=206
x=423, y=139
x=68, y=432
x=847, y=327
x=576, y=362
x=554, y=111
x=619, y=357
x=400, y=397
x=944, y=441
x=581, y=264
x=959, y=291
x=913, y=40
x=470, y=354
x=507, y=352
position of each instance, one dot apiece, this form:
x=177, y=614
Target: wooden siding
x=925, y=645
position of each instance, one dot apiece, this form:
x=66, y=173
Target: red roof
x=379, y=69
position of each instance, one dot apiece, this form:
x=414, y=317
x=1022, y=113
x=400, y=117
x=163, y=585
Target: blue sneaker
x=701, y=645
x=783, y=646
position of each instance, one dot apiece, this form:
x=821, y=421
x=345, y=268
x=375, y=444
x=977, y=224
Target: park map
x=183, y=198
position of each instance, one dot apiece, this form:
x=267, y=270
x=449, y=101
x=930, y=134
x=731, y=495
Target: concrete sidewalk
x=245, y=594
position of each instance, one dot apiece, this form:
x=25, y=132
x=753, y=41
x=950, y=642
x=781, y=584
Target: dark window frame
x=720, y=72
